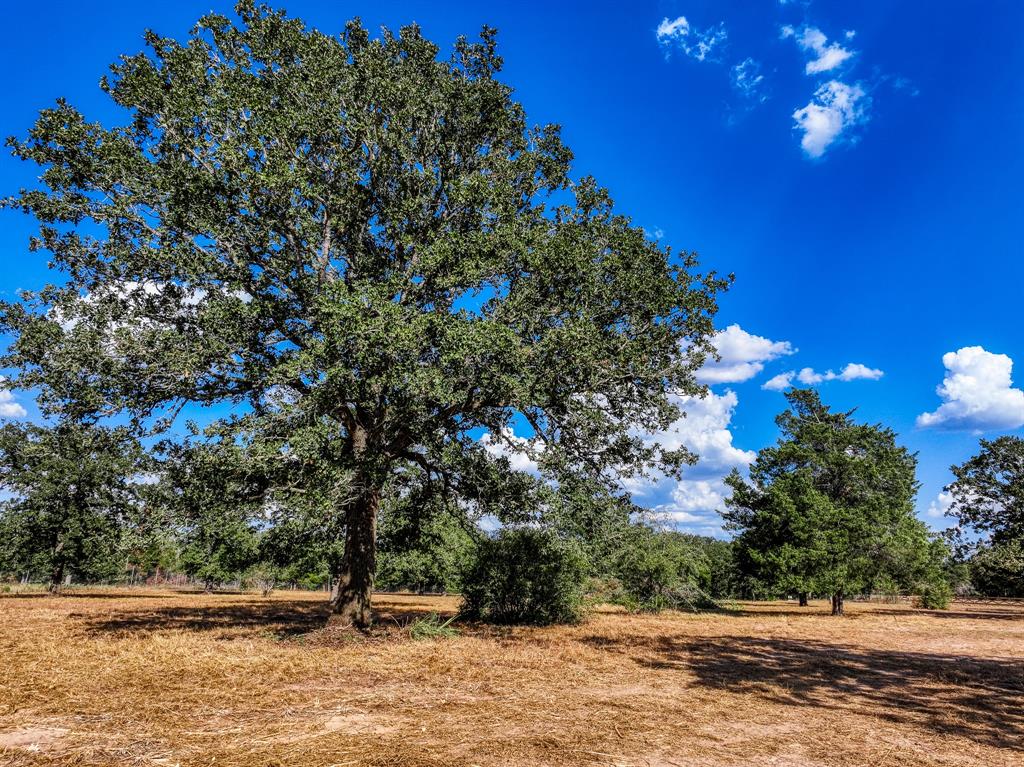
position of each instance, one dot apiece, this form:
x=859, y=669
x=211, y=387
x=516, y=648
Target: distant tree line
x=826, y=511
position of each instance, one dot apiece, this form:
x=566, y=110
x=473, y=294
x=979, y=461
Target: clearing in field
x=165, y=678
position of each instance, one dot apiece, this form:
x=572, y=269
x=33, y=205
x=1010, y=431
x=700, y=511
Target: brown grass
x=165, y=678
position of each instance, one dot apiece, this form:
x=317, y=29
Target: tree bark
x=56, y=579
x=803, y=599
x=57, y=570
x=837, y=603
x=355, y=577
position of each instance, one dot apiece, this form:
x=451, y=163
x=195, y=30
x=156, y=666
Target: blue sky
x=866, y=190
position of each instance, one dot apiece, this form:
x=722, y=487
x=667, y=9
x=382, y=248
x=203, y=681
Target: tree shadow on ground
x=69, y=595
x=283, y=618
x=977, y=698
x=980, y=615
x=863, y=609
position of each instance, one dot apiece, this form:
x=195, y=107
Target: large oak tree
x=364, y=248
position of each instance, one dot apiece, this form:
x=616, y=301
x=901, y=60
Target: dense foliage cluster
x=525, y=575
x=72, y=499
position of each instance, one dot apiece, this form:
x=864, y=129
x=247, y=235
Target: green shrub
x=525, y=576
x=998, y=570
x=658, y=570
x=603, y=590
x=935, y=595
x=886, y=588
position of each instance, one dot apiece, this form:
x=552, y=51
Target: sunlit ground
x=168, y=678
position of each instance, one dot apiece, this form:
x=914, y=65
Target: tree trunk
x=351, y=605
x=837, y=603
x=803, y=599
x=57, y=569
x=56, y=579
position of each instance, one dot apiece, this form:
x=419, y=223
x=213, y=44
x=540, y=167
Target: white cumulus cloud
x=743, y=356
x=8, y=407
x=780, y=381
x=977, y=393
x=705, y=431
x=694, y=507
x=940, y=505
x=813, y=41
x=693, y=503
x=855, y=370
x=833, y=110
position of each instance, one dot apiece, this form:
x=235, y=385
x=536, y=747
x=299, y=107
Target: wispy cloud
x=826, y=56
x=677, y=34
x=748, y=80
x=852, y=371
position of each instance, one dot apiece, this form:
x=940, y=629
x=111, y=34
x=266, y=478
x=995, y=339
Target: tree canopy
x=364, y=249
x=988, y=501
x=988, y=490
x=830, y=507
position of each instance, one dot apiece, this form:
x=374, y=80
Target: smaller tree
x=73, y=485
x=998, y=570
x=988, y=492
x=830, y=507
x=988, y=504
x=723, y=577
x=212, y=497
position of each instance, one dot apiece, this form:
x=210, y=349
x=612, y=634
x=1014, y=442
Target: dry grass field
x=165, y=678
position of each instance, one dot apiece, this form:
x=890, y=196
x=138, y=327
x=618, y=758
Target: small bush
x=935, y=596
x=886, y=589
x=263, y=578
x=525, y=576
x=432, y=627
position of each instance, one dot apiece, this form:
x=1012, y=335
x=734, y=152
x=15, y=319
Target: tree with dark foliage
x=830, y=507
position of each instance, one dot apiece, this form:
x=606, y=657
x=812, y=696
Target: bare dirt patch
x=31, y=738
x=149, y=677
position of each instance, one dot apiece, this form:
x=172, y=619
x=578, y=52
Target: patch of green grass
x=432, y=627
